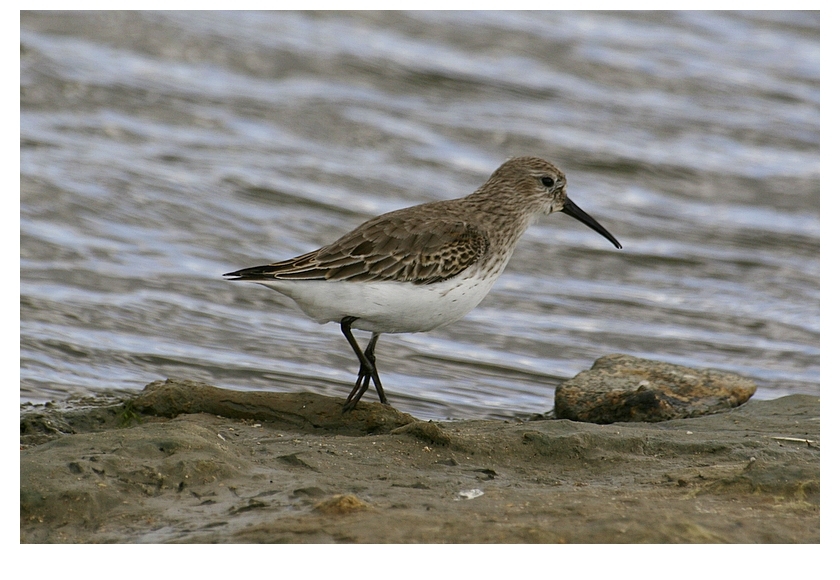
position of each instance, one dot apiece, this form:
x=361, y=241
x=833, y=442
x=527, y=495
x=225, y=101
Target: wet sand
x=184, y=462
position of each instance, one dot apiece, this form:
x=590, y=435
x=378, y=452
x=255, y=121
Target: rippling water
x=160, y=150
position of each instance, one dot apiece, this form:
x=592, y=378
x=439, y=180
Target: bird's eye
x=547, y=181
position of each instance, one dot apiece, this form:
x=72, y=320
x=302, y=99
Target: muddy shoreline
x=177, y=464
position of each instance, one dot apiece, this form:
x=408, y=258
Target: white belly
x=388, y=307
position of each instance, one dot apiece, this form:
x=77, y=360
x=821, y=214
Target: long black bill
x=573, y=210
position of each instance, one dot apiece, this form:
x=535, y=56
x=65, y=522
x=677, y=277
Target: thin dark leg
x=372, y=358
x=363, y=380
x=367, y=366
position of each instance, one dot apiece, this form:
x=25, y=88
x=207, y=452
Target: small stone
x=341, y=504
x=470, y=493
x=620, y=387
x=425, y=431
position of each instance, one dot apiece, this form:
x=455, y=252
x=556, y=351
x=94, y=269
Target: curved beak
x=571, y=208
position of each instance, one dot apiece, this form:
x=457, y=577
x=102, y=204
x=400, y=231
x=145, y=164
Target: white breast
x=390, y=307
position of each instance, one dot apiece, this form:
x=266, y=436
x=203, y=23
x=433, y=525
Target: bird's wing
x=397, y=247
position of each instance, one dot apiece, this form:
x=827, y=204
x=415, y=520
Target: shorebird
x=422, y=267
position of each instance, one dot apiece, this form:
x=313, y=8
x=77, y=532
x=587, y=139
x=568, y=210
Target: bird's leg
x=367, y=366
x=372, y=358
x=363, y=380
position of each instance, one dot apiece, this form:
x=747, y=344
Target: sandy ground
x=189, y=463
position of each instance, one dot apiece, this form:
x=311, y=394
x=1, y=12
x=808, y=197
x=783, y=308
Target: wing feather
x=400, y=246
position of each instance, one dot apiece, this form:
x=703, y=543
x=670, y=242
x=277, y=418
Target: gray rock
x=622, y=388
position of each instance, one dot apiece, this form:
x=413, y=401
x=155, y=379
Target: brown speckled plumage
x=421, y=267
x=435, y=241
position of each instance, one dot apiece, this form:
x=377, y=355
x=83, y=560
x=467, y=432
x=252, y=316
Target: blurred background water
x=160, y=150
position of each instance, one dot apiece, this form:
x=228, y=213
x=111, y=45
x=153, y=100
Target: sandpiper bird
x=419, y=268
